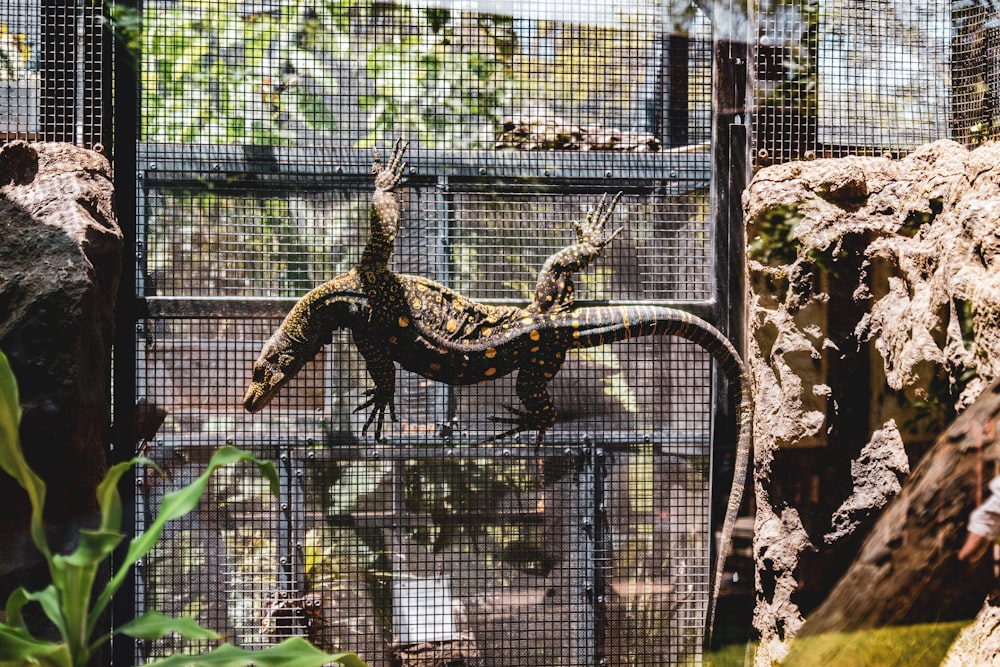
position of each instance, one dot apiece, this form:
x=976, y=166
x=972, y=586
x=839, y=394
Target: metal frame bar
x=172, y=165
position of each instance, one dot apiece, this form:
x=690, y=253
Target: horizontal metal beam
x=195, y=307
x=162, y=165
x=560, y=443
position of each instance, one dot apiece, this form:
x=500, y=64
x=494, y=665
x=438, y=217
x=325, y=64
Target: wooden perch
x=907, y=570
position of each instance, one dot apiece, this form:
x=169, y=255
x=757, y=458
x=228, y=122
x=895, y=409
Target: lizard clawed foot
x=518, y=417
x=520, y=420
x=592, y=229
x=388, y=175
x=379, y=403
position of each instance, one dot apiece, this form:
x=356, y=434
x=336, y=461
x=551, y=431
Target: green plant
x=70, y=601
x=776, y=242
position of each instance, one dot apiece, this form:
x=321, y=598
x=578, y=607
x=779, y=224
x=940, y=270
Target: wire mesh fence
x=433, y=548
x=256, y=121
x=437, y=546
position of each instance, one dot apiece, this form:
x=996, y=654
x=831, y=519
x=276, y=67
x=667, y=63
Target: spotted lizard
x=436, y=332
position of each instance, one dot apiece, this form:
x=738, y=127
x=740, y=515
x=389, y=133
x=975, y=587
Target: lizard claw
x=592, y=229
x=520, y=420
x=379, y=403
x=518, y=417
x=388, y=175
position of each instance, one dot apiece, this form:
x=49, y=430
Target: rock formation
x=874, y=319
x=60, y=260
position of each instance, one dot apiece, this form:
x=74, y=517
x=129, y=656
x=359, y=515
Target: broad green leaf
x=94, y=547
x=12, y=458
x=294, y=652
x=178, y=503
x=153, y=625
x=18, y=648
x=49, y=600
x=15, y=602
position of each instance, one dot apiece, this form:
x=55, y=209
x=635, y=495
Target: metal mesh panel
x=294, y=73
x=844, y=77
x=437, y=546
x=487, y=244
x=430, y=544
x=51, y=71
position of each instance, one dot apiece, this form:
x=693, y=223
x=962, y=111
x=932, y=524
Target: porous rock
x=60, y=261
x=874, y=313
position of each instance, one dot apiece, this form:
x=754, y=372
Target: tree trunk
x=907, y=571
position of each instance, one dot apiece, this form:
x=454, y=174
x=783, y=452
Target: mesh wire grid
x=432, y=548
x=431, y=544
x=52, y=71
x=872, y=78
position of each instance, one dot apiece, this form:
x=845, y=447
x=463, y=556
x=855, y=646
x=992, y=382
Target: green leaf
x=95, y=546
x=294, y=652
x=12, y=458
x=108, y=498
x=15, y=602
x=153, y=625
x=10, y=417
x=175, y=505
x=19, y=648
x=49, y=599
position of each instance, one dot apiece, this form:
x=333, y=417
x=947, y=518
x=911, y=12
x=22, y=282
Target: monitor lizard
x=432, y=330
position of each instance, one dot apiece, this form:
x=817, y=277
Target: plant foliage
x=70, y=601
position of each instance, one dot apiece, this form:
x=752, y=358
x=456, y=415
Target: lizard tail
x=599, y=325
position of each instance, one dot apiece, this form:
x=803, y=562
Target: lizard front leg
x=383, y=214
x=554, y=289
x=382, y=371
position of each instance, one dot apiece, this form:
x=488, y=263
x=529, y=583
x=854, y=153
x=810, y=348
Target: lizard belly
x=421, y=356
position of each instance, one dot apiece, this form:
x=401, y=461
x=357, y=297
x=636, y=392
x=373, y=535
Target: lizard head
x=277, y=364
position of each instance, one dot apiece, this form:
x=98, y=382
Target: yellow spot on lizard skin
x=451, y=326
x=534, y=349
x=404, y=321
x=490, y=372
x=576, y=334
x=490, y=352
x=393, y=340
x=534, y=335
x=434, y=366
x=417, y=304
x=486, y=331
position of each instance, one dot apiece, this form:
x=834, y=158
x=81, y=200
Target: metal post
x=730, y=175
x=123, y=155
x=602, y=554
x=444, y=398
